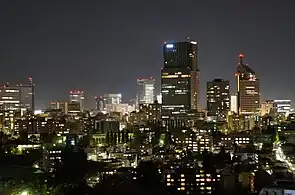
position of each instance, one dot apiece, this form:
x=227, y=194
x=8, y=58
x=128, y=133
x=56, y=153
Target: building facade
x=276, y=107
x=18, y=97
x=179, y=79
x=112, y=98
x=248, y=89
x=145, y=90
x=218, y=98
x=77, y=98
x=234, y=103
x=267, y=107
x=99, y=103
x=282, y=106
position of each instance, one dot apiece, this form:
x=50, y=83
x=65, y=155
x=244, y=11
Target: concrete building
x=218, y=98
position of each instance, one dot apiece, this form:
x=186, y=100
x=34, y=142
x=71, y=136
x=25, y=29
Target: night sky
x=103, y=46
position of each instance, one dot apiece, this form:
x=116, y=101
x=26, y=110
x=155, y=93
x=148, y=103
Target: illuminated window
x=169, y=76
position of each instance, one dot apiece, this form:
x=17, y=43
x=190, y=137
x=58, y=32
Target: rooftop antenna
x=30, y=80
x=241, y=57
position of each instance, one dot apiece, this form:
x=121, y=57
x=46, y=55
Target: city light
x=24, y=193
x=169, y=46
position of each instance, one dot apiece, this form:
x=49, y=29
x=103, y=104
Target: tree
x=71, y=173
x=32, y=187
x=108, y=138
x=168, y=139
x=85, y=141
x=262, y=179
x=123, y=136
x=156, y=137
x=119, y=137
x=127, y=137
x=115, y=139
x=111, y=137
x=116, y=184
x=148, y=175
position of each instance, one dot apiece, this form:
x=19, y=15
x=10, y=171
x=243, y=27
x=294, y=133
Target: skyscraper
x=159, y=98
x=18, y=97
x=179, y=79
x=27, y=95
x=218, y=98
x=233, y=103
x=282, y=106
x=247, y=89
x=278, y=107
x=77, y=97
x=112, y=98
x=145, y=90
x=99, y=103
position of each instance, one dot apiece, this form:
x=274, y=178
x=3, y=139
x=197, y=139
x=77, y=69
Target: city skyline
x=56, y=53
x=147, y=97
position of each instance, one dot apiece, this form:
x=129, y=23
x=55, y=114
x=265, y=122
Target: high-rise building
x=267, y=107
x=179, y=79
x=18, y=97
x=282, y=106
x=278, y=107
x=234, y=103
x=145, y=90
x=218, y=98
x=77, y=97
x=159, y=98
x=120, y=108
x=59, y=105
x=99, y=103
x=248, y=89
x=112, y=99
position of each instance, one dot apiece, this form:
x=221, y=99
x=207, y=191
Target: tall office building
x=159, y=98
x=112, y=98
x=278, y=107
x=267, y=107
x=247, y=89
x=27, y=95
x=145, y=90
x=179, y=79
x=18, y=97
x=63, y=106
x=283, y=106
x=77, y=97
x=234, y=103
x=99, y=103
x=218, y=98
